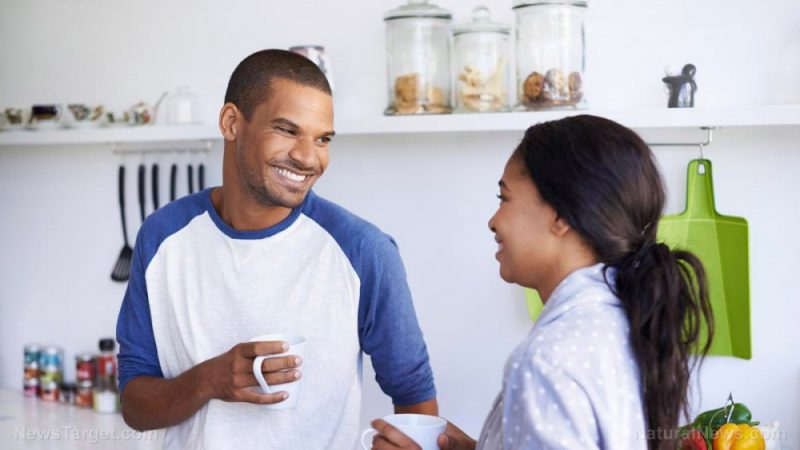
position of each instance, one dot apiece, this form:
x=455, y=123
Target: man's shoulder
x=168, y=220
x=354, y=234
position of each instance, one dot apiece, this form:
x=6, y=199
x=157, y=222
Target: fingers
x=242, y=380
x=282, y=363
x=381, y=443
x=250, y=396
x=454, y=438
x=276, y=378
x=249, y=380
x=253, y=349
x=393, y=437
x=245, y=365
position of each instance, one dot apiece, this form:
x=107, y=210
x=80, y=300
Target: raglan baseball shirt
x=198, y=287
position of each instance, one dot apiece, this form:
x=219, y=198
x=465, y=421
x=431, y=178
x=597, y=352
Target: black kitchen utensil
x=190, y=178
x=154, y=180
x=201, y=176
x=140, y=181
x=173, y=181
x=122, y=268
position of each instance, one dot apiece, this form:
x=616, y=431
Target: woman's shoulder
x=578, y=340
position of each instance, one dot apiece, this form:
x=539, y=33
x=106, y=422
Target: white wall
x=434, y=193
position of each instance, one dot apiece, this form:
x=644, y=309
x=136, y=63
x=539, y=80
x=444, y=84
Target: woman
x=607, y=363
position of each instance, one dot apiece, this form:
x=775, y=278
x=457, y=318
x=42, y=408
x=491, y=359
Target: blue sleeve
x=388, y=328
x=137, y=347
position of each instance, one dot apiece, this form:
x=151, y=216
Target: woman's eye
x=501, y=197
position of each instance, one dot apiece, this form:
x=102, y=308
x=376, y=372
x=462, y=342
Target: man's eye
x=501, y=197
x=286, y=130
x=325, y=139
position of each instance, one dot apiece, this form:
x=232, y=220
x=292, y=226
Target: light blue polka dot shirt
x=573, y=383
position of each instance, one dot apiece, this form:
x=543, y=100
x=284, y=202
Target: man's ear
x=560, y=227
x=230, y=119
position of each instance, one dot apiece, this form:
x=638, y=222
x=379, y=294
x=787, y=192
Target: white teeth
x=291, y=175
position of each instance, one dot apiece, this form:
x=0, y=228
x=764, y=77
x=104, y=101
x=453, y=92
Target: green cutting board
x=535, y=304
x=721, y=243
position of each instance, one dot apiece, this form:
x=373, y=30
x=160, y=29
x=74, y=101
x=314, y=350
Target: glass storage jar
x=418, y=56
x=481, y=51
x=550, y=54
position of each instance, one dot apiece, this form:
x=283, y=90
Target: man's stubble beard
x=254, y=184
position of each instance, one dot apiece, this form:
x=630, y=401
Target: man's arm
x=151, y=402
x=389, y=331
x=430, y=407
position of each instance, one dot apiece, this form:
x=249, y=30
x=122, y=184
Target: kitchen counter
x=30, y=423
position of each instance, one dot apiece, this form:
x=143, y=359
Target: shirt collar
x=587, y=285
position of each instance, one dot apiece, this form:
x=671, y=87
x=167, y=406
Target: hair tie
x=644, y=230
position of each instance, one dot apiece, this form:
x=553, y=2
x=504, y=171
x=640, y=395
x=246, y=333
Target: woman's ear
x=560, y=226
x=229, y=120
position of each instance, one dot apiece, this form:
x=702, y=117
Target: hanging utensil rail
x=140, y=149
x=709, y=138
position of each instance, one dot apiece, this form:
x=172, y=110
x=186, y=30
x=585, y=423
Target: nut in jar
x=551, y=54
x=418, y=59
x=552, y=89
x=480, y=92
x=481, y=59
x=411, y=97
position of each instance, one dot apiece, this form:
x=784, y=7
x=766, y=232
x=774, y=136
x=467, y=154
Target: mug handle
x=259, y=375
x=364, y=436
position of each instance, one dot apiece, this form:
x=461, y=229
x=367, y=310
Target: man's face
x=283, y=149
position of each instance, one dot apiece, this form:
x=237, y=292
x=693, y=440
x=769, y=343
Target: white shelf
x=112, y=135
x=633, y=118
x=754, y=116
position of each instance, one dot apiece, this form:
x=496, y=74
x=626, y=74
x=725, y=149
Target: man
x=263, y=254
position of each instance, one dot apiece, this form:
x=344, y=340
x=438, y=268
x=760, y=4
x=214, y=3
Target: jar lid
x=107, y=344
x=481, y=23
x=418, y=8
x=523, y=3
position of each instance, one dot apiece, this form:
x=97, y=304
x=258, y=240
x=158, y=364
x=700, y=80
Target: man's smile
x=291, y=176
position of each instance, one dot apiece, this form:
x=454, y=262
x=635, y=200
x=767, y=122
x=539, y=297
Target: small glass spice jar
x=85, y=367
x=481, y=53
x=418, y=54
x=551, y=56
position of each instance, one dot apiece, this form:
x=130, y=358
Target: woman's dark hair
x=601, y=178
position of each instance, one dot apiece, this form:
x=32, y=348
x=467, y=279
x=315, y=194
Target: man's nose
x=304, y=153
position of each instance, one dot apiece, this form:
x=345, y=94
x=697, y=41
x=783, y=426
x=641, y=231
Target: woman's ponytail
x=665, y=296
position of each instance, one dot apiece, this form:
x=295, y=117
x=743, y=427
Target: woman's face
x=525, y=228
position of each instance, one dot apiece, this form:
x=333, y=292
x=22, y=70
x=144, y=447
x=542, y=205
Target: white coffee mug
x=296, y=347
x=422, y=429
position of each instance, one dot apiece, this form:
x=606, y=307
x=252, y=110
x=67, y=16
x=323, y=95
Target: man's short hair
x=251, y=81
